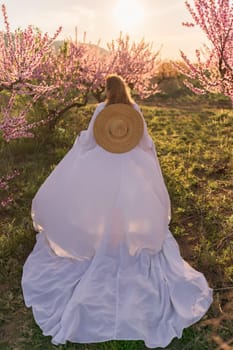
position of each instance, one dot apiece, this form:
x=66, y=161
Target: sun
x=128, y=14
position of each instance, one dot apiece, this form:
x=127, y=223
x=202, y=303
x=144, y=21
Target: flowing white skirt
x=105, y=265
x=114, y=295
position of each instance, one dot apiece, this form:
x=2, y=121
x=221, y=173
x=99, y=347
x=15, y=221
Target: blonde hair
x=117, y=91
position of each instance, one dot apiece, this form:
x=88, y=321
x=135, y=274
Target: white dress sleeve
x=86, y=137
x=146, y=141
x=148, y=146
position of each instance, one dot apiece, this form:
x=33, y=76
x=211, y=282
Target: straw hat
x=118, y=128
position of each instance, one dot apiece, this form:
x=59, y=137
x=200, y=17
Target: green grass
x=194, y=146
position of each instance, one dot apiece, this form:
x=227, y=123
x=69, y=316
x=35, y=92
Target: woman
x=105, y=265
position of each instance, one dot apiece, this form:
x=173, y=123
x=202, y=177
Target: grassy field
x=194, y=146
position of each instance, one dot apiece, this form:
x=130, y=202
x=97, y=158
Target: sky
x=157, y=21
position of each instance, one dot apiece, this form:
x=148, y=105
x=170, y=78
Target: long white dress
x=105, y=265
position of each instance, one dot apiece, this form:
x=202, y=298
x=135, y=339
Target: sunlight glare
x=128, y=14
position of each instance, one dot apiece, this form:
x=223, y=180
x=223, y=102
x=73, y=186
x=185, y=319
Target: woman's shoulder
x=136, y=106
x=101, y=105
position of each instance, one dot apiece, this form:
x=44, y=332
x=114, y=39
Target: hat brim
x=125, y=115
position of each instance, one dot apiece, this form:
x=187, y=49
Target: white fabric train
x=105, y=265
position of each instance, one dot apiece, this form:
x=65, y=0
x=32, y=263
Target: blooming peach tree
x=214, y=64
x=21, y=53
x=73, y=71
x=136, y=62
